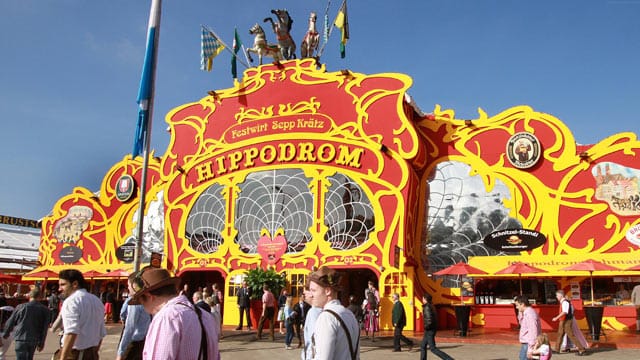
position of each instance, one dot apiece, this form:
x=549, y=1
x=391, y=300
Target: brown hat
x=326, y=277
x=149, y=279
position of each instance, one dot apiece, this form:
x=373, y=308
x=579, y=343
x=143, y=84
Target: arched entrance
x=201, y=278
x=355, y=283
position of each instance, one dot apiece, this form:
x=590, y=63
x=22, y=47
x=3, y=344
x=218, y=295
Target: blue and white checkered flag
x=211, y=47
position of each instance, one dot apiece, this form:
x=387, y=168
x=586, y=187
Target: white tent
x=18, y=248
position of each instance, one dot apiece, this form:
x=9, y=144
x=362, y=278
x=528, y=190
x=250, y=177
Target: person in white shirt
x=82, y=317
x=309, y=324
x=336, y=334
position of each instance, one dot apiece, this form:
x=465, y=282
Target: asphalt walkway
x=240, y=345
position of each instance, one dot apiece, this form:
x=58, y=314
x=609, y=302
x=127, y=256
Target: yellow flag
x=342, y=23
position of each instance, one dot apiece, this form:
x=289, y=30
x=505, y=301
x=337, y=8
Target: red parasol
x=520, y=268
x=460, y=268
x=92, y=273
x=46, y=274
x=41, y=274
x=9, y=278
x=119, y=273
x=590, y=266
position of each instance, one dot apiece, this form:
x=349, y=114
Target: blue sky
x=70, y=70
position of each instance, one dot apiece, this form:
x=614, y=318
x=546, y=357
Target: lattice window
x=297, y=282
x=460, y=214
x=206, y=221
x=348, y=213
x=273, y=200
x=235, y=283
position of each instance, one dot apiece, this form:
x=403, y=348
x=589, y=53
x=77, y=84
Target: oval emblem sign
x=70, y=254
x=633, y=235
x=125, y=252
x=515, y=240
x=124, y=188
x=523, y=150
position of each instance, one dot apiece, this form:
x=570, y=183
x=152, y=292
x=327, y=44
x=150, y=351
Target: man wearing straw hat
x=336, y=334
x=178, y=330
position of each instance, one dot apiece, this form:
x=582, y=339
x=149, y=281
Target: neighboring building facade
x=296, y=167
x=19, y=242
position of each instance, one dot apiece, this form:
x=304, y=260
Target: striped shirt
x=175, y=333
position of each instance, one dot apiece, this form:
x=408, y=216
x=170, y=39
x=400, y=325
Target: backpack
x=371, y=300
x=216, y=299
x=569, y=315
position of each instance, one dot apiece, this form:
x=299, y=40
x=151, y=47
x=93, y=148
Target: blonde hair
x=543, y=339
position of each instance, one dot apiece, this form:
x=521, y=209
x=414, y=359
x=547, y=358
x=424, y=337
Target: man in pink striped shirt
x=529, y=326
x=268, y=312
x=179, y=330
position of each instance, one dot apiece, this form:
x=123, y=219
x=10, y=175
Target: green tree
x=256, y=278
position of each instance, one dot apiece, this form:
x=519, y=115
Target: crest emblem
x=124, y=188
x=523, y=150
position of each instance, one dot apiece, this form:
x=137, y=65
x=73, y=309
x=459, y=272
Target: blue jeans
x=289, y=336
x=25, y=349
x=429, y=338
x=523, y=351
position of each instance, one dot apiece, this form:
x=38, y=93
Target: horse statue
x=311, y=39
x=260, y=46
x=282, y=30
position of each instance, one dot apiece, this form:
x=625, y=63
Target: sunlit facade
x=295, y=167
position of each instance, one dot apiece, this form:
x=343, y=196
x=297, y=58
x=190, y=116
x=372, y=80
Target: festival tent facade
x=296, y=167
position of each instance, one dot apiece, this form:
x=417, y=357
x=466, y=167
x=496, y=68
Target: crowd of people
x=156, y=312
x=535, y=343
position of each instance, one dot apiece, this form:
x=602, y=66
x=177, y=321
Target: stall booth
x=493, y=302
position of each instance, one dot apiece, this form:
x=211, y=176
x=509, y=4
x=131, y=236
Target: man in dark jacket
x=244, y=304
x=198, y=300
x=53, y=302
x=300, y=311
x=31, y=321
x=399, y=320
x=430, y=327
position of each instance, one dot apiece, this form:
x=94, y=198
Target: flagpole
x=325, y=32
x=244, y=51
x=226, y=47
x=146, y=97
x=333, y=25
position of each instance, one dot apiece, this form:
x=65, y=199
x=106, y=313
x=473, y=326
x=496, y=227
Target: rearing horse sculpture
x=282, y=30
x=311, y=39
x=260, y=46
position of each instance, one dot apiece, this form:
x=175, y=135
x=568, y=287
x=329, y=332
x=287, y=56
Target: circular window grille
x=206, y=221
x=348, y=214
x=274, y=200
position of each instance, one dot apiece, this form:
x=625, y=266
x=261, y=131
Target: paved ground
x=241, y=346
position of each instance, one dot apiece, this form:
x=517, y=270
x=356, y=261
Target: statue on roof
x=282, y=29
x=311, y=38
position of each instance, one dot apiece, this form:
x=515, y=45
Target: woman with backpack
x=371, y=306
